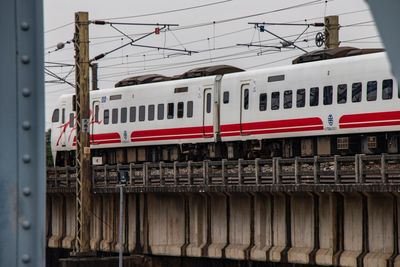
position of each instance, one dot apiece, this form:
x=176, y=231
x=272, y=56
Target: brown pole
x=83, y=179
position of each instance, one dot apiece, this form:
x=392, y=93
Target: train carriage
x=346, y=105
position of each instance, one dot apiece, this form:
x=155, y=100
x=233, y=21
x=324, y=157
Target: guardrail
x=381, y=169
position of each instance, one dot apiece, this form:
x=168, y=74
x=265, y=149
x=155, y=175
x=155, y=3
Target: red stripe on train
x=269, y=127
x=104, y=138
x=172, y=131
x=370, y=117
x=177, y=137
x=370, y=124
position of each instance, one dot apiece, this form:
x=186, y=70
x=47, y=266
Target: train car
x=339, y=106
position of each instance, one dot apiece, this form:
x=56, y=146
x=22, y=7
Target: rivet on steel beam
x=25, y=59
x=26, y=191
x=26, y=92
x=26, y=258
x=24, y=26
x=26, y=125
x=26, y=225
x=26, y=158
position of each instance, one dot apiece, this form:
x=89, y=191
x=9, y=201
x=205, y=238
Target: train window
x=181, y=90
x=63, y=116
x=71, y=120
x=328, y=92
x=132, y=114
x=115, y=97
x=263, y=102
x=114, y=116
x=123, y=115
x=226, y=97
x=246, y=99
x=275, y=100
x=142, y=113
x=180, y=110
x=301, y=98
x=387, y=89
x=371, y=90
x=170, y=111
x=287, y=99
x=208, y=102
x=96, y=113
x=342, y=93
x=356, y=91
x=106, y=116
x=151, y=113
x=314, y=96
x=189, y=109
x=56, y=115
x=160, y=112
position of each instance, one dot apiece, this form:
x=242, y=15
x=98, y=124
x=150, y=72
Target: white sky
x=133, y=61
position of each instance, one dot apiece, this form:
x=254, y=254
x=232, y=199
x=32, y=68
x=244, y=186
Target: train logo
x=330, y=120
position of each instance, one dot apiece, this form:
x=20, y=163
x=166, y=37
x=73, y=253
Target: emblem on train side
x=125, y=136
x=330, y=120
x=103, y=99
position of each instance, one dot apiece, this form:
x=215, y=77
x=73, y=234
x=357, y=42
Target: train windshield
x=56, y=115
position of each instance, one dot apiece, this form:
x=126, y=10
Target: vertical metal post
x=83, y=182
x=332, y=32
x=94, y=67
x=121, y=218
x=22, y=135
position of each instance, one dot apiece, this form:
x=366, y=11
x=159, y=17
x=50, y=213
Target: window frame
x=114, y=116
x=124, y=115
x=275, y=100
x=142, y=113
x=287, y=104
x=340, y=95
x=132, y=111
x=106, y=116
x=359, y=86
x=328, y=95
x=262, y=106
x=314, y=95
x=301, y=92
x=160, y=111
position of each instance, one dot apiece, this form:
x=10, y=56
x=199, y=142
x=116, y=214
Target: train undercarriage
x=376, y=143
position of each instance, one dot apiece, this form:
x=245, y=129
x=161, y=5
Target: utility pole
x=94, y=76
x=83, y=179
x=332, y=32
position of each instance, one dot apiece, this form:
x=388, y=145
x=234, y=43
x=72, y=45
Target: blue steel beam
x=386, y=15
x=22, y=135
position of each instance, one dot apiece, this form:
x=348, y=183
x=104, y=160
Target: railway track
x=337, y=173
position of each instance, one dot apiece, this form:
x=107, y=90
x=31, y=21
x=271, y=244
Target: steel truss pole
x=83, y=179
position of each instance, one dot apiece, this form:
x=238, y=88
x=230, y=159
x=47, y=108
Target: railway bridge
x=330, y=211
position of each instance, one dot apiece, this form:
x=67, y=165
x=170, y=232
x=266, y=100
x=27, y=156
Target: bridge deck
x=377, y=173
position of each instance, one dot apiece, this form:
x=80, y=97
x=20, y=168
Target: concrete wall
x=348, y=229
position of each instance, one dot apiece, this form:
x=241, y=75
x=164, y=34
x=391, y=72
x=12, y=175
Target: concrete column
x=96, y=229
x=239, y=226
x=166, y=224
x=327, y=245
x=302, y=228
x=109, y=213
x=353, y=229
x=57, y=221
x=380, y=230
x=198, y=225
x=219, y=225
x=132, y=222
x=281, y=227
x=69, y=238
x=262, y=227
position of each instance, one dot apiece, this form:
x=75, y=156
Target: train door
x=207, y=112
x=95, y=119
x=244, y=105
x=63, y=131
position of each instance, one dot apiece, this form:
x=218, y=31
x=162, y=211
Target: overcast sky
x=215, y=42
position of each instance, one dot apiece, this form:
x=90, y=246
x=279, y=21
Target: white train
x=344, y=105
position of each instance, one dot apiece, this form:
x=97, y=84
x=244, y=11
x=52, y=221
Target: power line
x=170, y=11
